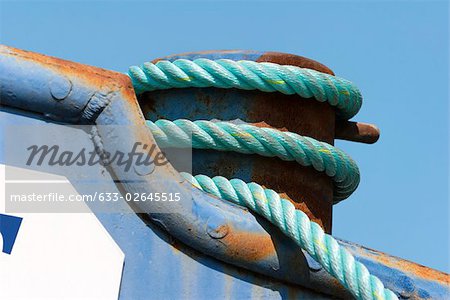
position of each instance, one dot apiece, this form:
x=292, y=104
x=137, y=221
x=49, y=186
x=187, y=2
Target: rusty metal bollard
x=309, y=190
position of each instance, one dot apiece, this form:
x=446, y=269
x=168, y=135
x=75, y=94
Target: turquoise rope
x=249, y=75
x=245, y=138
x=295, y=224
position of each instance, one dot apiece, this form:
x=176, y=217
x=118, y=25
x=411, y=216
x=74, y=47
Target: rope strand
x=249, y=139
x=248, y=75
x=295, y=224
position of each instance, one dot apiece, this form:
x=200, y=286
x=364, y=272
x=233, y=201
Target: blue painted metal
x=158, y=265
x=32, y=76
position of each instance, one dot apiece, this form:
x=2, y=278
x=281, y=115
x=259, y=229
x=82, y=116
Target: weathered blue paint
x=188, y=220
x=22, y=82
x=156, y=264
x=407, y=279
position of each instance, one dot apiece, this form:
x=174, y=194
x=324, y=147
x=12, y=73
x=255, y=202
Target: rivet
x=60, y=87
x=219, y=232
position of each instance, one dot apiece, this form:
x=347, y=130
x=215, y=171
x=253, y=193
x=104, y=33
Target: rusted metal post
x=309, y=190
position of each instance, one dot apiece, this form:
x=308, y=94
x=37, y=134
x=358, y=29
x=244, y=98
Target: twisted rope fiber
x=244, y=138
x=295, y=224
x=249, y=75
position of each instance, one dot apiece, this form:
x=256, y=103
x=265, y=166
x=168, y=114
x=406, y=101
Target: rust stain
x=269, y=56
x=97, y=77
x=265, y=125
x=406, y=266
x=357, y=132
x=294, y=60
x=413, y=268
x=100, y=80
x=176, y=246
x=248, y=246
x=309, y=190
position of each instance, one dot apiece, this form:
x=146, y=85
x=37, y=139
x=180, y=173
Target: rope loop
x=249, y=75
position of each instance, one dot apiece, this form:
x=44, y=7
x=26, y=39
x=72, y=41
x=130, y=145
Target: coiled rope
x=245, y=138
x=249, y=75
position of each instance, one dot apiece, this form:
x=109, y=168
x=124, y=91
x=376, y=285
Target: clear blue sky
x=395, y=51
